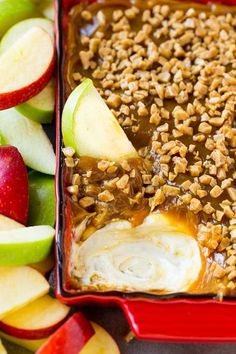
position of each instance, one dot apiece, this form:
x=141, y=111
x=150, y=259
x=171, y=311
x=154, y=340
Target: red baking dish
x=182, y=319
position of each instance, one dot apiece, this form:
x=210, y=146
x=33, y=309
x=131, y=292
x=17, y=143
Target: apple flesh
x=47, y=8
x=20, y=28
x=23, y=72
x=26, y=245
x=70, y=337
x=37, y=320
x=13, y=11
x=42, y=199
x=90, y=128
x=14, y=195
x=100, y=342
x=30, y=139
x=40, y=108
x=44, y=266
x=2, y=349
x=18, y=287
x=31, y=344
x=9, y=224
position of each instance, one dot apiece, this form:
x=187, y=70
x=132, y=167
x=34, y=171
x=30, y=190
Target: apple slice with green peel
x=13, y=11
x=9, y=224
x=42, y=199
x=30, y=139
x=19, y=286
x=47, y=9
x=37, y=320
x=100, y=342
x=31, y=344
x=40, y=108
x=26, y=245
x=23, y=72
x=44, y=266
x=90, y=128
x=20, y=28
x=2, y=348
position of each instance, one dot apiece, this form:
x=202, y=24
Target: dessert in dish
x=151, y=210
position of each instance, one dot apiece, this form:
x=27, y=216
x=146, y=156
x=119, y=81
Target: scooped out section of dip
x=153, y=257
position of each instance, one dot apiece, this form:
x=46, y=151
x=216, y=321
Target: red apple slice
x=37, y=320
x=26, y=67
x=70, y=337
x=14, y=195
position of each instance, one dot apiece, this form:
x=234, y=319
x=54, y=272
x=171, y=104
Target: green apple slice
x=25, y=245
x=90, y=128
x=42, y=199
x=19, y=286
x=13, y=11
x=30, y=139
x=19, y=29
x=40, y=108
x=47, y=8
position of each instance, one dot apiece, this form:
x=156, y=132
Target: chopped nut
x=106, y=196
x=195, y=205
x=103, y=165
x=68, y=151
x=216, y=191
x=122, y=182
x=219, y=272
x=86, y=202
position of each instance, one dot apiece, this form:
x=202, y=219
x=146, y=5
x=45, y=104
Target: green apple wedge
x=40, y=108
x=42, y=199
x=90, y=128
x=30, y=139
x=20, y=28
x=26, y=245
x=13, y=11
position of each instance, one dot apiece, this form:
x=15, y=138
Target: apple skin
x=89, y=126
x=13, y=11
x=70, y=337
x=12, y=99
x=14, y=195
x=25, y=245
x=17, y=88
x=55, y=314
x=40, y=108
x=42, y=199
x=30, y=139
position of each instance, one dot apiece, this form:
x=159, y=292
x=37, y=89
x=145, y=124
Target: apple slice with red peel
x=23, y=72
x=37, y=320
x=70, y=337
x=14, y=195
x=18, y=287
x=100, y=342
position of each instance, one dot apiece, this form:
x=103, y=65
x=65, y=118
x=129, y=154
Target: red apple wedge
x=26, y=67
x=14, y=195
x=37, y=320
x=70, y=337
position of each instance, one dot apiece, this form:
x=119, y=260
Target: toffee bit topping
x=169, y=77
